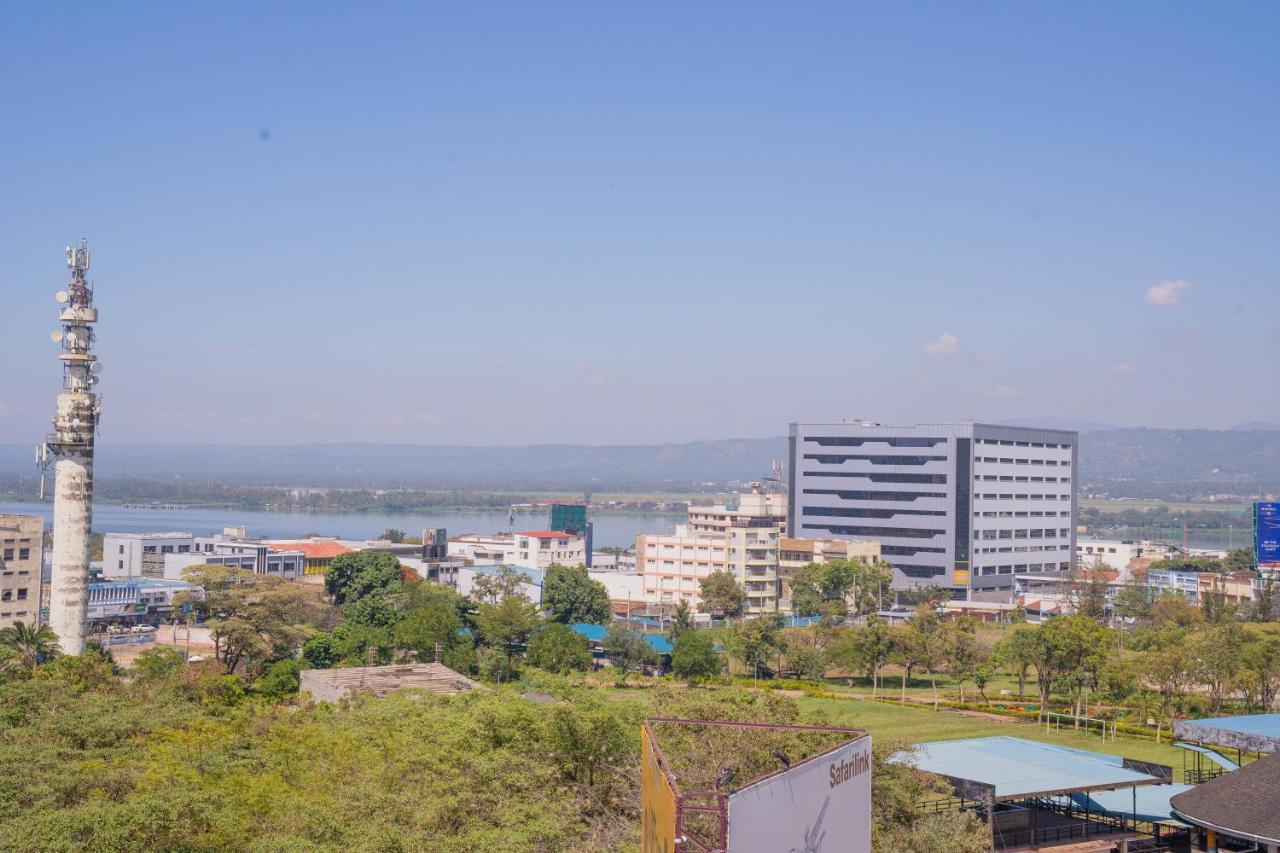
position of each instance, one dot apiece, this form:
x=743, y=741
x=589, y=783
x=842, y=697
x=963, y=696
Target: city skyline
x=441, y=225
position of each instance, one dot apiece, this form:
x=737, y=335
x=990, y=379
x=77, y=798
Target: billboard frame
x=717, y=803
x=1257, y=539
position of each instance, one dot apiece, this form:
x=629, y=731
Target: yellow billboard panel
x=657, y=800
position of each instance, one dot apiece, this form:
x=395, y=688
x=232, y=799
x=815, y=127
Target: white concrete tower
x=70, y=448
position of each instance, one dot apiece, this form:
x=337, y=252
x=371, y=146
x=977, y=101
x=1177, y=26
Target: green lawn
x=916, y=725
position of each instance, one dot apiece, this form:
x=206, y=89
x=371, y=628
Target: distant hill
x=1128, y=462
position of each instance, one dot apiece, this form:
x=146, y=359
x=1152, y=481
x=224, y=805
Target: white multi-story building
x=1117, y=554
x=532, y=549
x=962, y=505
x=141, y=555
x=21, y=552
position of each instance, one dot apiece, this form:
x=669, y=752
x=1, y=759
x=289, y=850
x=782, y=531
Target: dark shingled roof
x=1244, y=802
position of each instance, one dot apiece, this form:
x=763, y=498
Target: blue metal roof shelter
x=596, y=634
x=1011, y=768
x=1252, y=732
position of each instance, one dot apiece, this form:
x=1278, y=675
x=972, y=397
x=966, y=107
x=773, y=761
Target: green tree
x=558, y=648
x=1266, y=606
x=433, y=620
x=627, y=651
x=278, y=680
x=506, y=627
x=572, y=596
x=1018, y=650
x=681, y=619
x=865, y=649
x=497, y=587
x=352, y=576
x=320, y=651
x=392, y=534
x=721, y=595
x=158, y=662
x=757, y=644
x=373, y=610
x=1239, y=560
x=31, y=645
x=693, y=656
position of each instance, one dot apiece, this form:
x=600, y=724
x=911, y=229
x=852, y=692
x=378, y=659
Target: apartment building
x=757, y=505
x=673, y=564
x=962, y=505
x=751, y=555
x=21, y=557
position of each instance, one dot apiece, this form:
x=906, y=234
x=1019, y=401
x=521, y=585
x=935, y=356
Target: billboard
x=657, y=800
x=1266, y=533
x=820, y=805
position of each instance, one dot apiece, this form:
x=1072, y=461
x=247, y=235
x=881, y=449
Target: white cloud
x=944, y=344
x=1122, y=367
x=1167, y=292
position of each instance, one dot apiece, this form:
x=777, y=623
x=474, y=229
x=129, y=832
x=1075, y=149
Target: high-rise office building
x=961, y=505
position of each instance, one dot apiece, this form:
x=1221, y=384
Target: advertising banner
x=820, y=805
x=1266, y=533
x=657, y=800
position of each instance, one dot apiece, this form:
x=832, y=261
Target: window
x=22, y=595
x=119, y=564
x=120, y=549
x=8, y=553
x=24, y=553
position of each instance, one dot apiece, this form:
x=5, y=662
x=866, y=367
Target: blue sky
x=594, y=222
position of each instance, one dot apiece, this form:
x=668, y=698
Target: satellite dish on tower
x=56, y=336
x=97, y=367
x=62, y=296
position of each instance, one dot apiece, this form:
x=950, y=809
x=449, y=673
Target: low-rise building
x=531, y=549
x=1118, y=553
x=1234, y=587
x=317, y=554
x=133, y=600
x=21, y=556
x=141, y=555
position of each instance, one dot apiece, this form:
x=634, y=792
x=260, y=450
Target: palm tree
x=33, y=645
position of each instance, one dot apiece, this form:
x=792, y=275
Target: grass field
x=918, y=725
x=906, y=724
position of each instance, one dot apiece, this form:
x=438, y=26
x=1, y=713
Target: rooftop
x=1244, y=803
x=313, y=549
x=1013, y=768
x=596, y=633
x=547, y=534
x=1254, y=732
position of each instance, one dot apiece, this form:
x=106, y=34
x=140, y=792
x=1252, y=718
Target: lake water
x=611, y=529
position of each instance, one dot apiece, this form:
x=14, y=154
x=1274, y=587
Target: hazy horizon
x=585, y=224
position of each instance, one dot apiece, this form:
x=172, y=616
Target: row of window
x=1005, y=478
x=896, y=532
x=26, y=540
x=875, y=496
x=841, y=458
x=23, y=553
x=846, y=512
x=1034, y=513
x=1026, y=533
x=7, y=594
x=1024, y=568
x=1014, y=461
x=993, y=443
x=935, y=479
x=1009, y=497
x=1020, y=549
x=896, y=441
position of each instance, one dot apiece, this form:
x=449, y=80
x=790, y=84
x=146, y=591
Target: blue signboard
x=1266, y=533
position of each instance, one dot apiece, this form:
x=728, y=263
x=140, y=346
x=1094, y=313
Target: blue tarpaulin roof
x=595, y=633
x=1017, y=767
